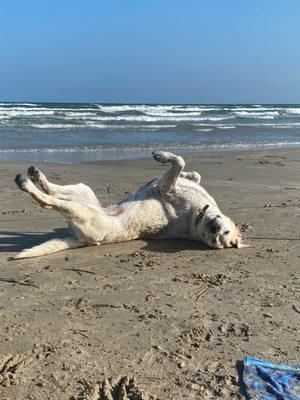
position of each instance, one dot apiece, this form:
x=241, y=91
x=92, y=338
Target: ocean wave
x=124, y=149
x=132, y=107
x=226, y=126
x=254, y=114
x=269, y=125
x=199, y=129
x=102, y=126
x=155, y=109
x=258, y=109
x=78, y=114
x=99, y=123
x=144, y=124
x=54, y=109
x=18, y=113
x=148, y=118
x=54, y=126
x=293, y=110
x=21, y=104
x=199, y=109
x=28, y=114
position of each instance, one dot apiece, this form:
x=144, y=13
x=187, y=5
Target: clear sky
x=143, y=51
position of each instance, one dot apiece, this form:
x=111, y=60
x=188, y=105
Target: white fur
x=167, y=208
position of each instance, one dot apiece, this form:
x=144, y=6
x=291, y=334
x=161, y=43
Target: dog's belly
x=144, y=218
x=144, y=213
x=147, y=214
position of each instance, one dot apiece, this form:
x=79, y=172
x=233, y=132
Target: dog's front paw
x=21, y=181
x=33, y=173
x=161, y=156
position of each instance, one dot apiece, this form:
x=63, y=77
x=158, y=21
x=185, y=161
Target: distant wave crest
x=52, y=128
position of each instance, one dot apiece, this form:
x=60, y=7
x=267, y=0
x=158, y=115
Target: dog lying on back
x=172, y=206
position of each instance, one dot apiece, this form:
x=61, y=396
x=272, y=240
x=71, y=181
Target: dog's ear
x=201, y=212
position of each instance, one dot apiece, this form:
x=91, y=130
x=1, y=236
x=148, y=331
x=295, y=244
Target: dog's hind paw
x=33, y=173
x=19, y=256
x=14, y=258
x=20, y=181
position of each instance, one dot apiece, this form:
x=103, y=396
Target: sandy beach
x=175, y=316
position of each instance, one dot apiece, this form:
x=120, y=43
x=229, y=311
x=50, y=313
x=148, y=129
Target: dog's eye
x=214, y=240
x=226, y=232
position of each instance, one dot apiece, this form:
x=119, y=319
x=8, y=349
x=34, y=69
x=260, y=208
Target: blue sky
x=182, y=51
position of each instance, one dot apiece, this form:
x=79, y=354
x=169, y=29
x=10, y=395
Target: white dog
x=170, y=207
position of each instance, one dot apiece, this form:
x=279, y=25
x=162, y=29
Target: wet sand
x=174, y=315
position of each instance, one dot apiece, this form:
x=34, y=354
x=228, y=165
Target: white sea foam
x=155, y=109
x=293, y=110
x=181, y=123
x=56, y=109
x=270, y=125
x=79, y=114
x=54, y=126
x=254, y=114
x=198, y=109
x=204, y=129
x=168, y=114
x=226, y=126
x=93, y=115
x=17, y=104
x=258, y=109
x=124, y=149
x=17, y=113
x=102, y=126
x=148, y=118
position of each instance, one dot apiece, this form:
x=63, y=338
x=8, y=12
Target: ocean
x=73, y=132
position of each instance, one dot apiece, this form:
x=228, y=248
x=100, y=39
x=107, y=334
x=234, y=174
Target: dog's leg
x=72, y=210
x=85, y=218
x=78, y=193
x=191, y=176
x=168, y=181
x=52, y=246
x=50, y=188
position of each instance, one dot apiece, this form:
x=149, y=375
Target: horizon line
x=145, y=103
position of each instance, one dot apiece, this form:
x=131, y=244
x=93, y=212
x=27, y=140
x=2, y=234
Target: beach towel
x=269, y=381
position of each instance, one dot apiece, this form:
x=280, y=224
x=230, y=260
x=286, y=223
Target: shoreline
x=125, y=155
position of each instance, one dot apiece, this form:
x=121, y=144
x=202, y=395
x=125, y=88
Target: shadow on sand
x=240, y=370
x=17, y=241
x=173, y=246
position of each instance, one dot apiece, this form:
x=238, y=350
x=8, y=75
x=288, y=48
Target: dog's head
x=217, y=230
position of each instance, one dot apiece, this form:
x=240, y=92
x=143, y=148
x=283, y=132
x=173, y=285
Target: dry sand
x=174, y=315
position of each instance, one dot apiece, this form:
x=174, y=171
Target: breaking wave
x=33, y=128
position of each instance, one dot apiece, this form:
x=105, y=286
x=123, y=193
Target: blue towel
x=268, y=381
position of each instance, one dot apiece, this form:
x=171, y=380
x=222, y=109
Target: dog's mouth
x=218, y=243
